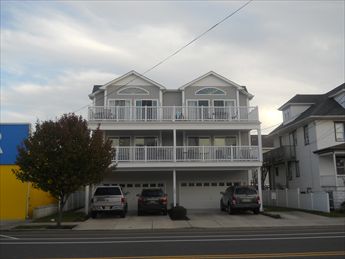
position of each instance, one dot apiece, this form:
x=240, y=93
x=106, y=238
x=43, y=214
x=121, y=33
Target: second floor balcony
x=182, y=154
x=172, y=113
x=280, y=155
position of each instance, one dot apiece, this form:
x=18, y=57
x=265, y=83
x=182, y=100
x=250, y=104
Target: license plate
x=245, y=200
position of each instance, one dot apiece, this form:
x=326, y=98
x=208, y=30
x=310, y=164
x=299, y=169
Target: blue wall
x=11, y=136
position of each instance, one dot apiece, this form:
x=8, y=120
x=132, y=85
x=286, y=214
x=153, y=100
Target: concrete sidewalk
x=208, y=219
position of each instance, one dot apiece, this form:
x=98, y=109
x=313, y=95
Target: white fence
x=75, y=201
x=293, y=198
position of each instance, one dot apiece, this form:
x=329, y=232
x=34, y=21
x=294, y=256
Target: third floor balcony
x=120, y=114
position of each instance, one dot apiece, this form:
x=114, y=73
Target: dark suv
x=240, y=198
x=152, y=200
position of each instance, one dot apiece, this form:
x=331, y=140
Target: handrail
x=173, y=113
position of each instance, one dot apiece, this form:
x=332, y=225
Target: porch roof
x=340, y=147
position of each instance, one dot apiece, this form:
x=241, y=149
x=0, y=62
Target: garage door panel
x=201, y=195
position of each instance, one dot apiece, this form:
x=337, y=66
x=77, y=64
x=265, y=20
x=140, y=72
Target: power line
x=181, y=48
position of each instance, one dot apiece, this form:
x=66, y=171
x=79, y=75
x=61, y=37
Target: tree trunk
x=60, y=211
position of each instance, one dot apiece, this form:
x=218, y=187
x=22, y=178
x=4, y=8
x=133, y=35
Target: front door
x=146, y=109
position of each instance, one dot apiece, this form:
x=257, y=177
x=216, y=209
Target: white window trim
x=193, y=136
x=225, y=100
x=196, y=92
x=141, y=99
x=208, y=101
x=136, y=87
x=226, y=136
x=153, y=136
x=117, y=99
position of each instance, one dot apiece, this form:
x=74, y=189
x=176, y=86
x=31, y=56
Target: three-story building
x=192, y=142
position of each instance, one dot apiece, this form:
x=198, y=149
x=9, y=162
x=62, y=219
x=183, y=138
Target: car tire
x=165, y=212
x=256, y=211
x=93, y=214
x=221, y=205
x=123, y=214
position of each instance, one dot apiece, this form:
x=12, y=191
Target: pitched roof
x=321, y=105
x=96, y=88
x=243, y=89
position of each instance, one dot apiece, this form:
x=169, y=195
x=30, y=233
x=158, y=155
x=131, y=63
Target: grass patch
x=68, y=216
x=335, y=213
x=33, y=227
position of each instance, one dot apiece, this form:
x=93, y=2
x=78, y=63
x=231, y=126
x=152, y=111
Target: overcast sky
x=52, y=53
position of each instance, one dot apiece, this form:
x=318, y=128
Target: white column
x=87, y=198
x=174, y=147
x=260, y=144
x=174, y=187
x=260, y=188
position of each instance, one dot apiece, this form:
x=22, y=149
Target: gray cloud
x=53, y=52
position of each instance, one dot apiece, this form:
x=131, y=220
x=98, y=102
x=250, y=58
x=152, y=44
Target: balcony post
x=174, y=113
x=174, y=187
x=259, y=144
x=260, y=188
x=145, y=153
x=174, y=141
x=87, y=199
x=145, y=112
x=117, y=154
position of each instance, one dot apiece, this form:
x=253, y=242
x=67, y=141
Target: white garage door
x=201, y=195
x=134, y=188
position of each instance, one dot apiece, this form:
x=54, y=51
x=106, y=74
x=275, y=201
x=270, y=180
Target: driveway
x=207, y=219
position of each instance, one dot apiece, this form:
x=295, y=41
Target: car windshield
x=152, y=193
x=245, y=190
x=107, y=191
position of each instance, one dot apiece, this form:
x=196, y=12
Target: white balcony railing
x=187, y=154
x=173, y=113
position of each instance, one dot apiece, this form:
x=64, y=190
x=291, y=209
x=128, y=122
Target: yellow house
x=17, y=199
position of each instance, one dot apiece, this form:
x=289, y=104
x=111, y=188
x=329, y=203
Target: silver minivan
x=108, y=199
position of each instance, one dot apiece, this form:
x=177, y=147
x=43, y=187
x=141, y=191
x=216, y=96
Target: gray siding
x=99, y=99
x=243, y=99
x=172, y=99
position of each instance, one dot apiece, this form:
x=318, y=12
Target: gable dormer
x=213, y=89
x=127, y=89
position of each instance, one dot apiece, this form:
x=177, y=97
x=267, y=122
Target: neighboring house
x=193, y=141
x=18, y=200
x=310, y=147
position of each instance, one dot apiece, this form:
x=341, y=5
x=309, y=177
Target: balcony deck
x=183, y=154
x=120, y=114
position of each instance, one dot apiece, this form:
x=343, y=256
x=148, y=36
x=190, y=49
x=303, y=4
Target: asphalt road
x=322, y=242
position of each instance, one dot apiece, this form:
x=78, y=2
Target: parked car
x=152, y=200
x=240, y=198
x=108, y=199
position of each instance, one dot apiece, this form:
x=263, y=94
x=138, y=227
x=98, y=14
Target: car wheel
x=93, y=214
x=256, y=211
x=165, y=212
x=221, y=205
x=229, y=209
x=123, y=214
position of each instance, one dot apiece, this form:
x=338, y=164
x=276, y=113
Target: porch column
x=335, y=169
x=174, y=148
x=260, y=188
x=259, y=144
x=174, y=187
x=87, y=197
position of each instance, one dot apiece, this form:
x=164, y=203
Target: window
x=224, y=141
x=146, y=141
x=306, y=135
x=289, y=171
x=340, y=162
x=199, y=141
x=119, y=102
x=210, y=91
x=339, y=131
x=277, y=171
x=280, y=141
x=213, y=184
x=298, y=173
x=293, y=138
x=133, y=91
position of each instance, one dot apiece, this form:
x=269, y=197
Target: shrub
x=178, y=213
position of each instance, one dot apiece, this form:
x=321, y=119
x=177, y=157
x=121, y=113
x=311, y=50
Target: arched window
x=133, y=91
x=210, y=91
